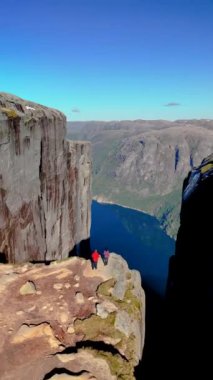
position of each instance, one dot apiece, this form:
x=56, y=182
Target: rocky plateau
x=67, y=321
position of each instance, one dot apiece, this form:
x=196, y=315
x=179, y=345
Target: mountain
x=142, y=164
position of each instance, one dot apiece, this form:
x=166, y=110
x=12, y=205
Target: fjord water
x=137, y=237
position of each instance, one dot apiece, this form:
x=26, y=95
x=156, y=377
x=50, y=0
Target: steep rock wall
x=147, y=158
x=190, y=281
x=66, y=320
x=44, y=183
x=156, y=162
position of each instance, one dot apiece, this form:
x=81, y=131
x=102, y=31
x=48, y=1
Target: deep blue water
x=136, y=236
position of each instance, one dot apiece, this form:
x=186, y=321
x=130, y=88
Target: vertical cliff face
x=192, y=263
x=190, y=283
x=44, y=183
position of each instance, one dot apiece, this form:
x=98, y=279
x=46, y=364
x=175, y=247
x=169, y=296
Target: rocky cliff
x=190, y=282
x=67, y=321
x=142, y=164
x=44, y=183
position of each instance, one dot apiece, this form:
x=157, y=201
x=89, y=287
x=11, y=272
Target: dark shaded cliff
x=179, y=328
x=190, y=282
x=45, y=183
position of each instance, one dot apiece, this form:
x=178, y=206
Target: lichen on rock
x=28, y=288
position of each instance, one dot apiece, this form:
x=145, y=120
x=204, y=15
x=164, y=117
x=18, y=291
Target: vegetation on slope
x=142, y=164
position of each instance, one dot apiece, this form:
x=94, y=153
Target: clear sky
x=110, y=59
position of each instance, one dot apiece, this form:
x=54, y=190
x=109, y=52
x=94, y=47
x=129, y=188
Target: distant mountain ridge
x=142, y=163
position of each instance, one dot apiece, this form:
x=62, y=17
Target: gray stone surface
x=44, y=183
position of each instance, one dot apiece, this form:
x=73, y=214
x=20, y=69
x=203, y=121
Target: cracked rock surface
x=67, y=321
x=44, y=183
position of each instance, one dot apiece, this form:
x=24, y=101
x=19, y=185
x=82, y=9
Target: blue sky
x=110, y=59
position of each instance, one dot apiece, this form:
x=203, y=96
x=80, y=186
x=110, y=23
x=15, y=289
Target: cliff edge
x=190, y=282
x=45, y=189
x=67, y=321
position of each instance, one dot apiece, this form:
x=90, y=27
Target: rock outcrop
x=67, y=321
x=190, y=282
x=44, y=183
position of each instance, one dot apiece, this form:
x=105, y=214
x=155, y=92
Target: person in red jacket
x=94, y=258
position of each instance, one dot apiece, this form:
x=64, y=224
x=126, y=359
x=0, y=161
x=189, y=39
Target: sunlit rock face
x=67, y=321
x=44, y=183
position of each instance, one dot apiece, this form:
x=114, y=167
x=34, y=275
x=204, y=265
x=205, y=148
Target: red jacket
x=95, y=256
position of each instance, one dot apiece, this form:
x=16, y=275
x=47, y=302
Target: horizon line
x=148, y=120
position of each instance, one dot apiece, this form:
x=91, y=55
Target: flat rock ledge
x=67, y=321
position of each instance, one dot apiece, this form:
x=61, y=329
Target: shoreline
x=120, y=205
x=105, y=202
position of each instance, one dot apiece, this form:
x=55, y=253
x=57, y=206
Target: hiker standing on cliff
x=94, y=259
x=106, y=256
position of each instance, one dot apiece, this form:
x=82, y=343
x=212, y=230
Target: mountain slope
x=142, y=164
